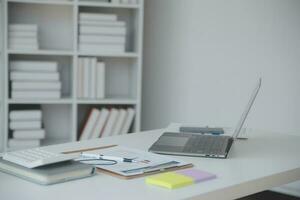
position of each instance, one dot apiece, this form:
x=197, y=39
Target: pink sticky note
x=197, y=175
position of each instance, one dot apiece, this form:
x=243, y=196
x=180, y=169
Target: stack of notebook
x=48, y=174
x=26, y=127
x=23, y=36
x=35, y=79
x=101, y=33
x=104, y=122
x=91, y=78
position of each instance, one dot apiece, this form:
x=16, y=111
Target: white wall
x=203, y=57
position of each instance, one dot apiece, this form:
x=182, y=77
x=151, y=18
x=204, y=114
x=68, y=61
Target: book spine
x=110, y=123
x=128, y=121
x=23, y=27
x=25, y=115
x=103, y=48
x=80, y=78
x=102, y=30
x=120, y=122
x=29, y=134
x=115, y=1
x=34, y=76
x=23, y=41
x=93, y=78
x=38, y=85
x=102, y=39
x=21, y=125
x=100, y=80
x=23, y=47
x=14, y=34
x=29, y=94
x=102, y=23
x=104, y=113
x=133, y=2
x=90, y=124
x=86, y=78
x=33, y=66
x=97, y=16
x=17, y=143
x=124, y=1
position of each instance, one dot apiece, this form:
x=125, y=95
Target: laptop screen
x=246, y=111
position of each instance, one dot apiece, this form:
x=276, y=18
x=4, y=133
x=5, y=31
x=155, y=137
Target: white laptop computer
x=202, y=145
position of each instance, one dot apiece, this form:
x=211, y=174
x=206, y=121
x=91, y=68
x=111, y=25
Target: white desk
x=262, y=162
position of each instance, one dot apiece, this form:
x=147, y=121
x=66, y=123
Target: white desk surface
x=262, y=162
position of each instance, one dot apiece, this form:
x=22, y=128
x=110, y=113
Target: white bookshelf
x=58, y=38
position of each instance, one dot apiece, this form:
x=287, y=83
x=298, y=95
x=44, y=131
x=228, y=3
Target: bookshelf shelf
x=107, y=5
x=41, y=52
x=111, y=55
x=108, y=101
x=42, y=2
x=41, y=101
x=58, y=38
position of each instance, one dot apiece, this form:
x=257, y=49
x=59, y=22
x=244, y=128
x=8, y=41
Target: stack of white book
x=101, y=33
x=26, y=126
x=35, y=79
x=91, y=78
x=107, y=122
x=23, y=36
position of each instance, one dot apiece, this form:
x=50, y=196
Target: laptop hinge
x=229, y=146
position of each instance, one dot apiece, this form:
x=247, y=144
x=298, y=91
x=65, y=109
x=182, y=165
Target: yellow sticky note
x=170, y=180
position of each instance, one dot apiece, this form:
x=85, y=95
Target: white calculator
x=36, y=157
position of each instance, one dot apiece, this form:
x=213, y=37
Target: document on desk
x=144, y=162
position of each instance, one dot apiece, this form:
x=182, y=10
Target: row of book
x=131, y=2
x=91, y=78
x=35, y=79
x=107, y=122
x=101, y=33
x=26, y=127
x=23, y=36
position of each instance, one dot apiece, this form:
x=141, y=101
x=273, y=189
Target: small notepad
x=179, y=178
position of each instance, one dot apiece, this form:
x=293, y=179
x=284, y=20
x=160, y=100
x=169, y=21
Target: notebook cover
x=49, y=174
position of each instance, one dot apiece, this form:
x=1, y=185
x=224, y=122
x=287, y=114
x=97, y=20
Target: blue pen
x=103, y=157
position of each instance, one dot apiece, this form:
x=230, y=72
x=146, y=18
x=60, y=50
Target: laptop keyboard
x=206, y=144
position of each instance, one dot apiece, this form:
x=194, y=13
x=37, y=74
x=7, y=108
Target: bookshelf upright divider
x=58, y=40
x=1, y=72
x=75, y=64
x=6, y=79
